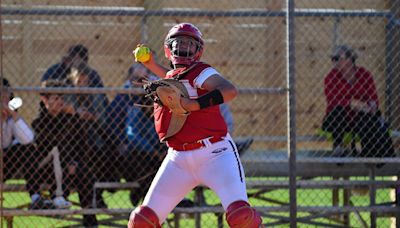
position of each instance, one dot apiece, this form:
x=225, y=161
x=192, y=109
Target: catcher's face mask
x=183, y=44
x=184, y=50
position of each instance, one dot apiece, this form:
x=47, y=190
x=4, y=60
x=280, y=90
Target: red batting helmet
x=174, y=51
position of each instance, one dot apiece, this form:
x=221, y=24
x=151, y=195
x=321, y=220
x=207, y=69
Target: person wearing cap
x=353, y=106
x=75, y=56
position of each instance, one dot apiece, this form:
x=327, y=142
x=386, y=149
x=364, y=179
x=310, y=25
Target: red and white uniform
x=199, y=124
x=215, y=163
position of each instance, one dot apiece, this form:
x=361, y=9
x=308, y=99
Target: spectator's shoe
x=41, y=203
x=339, y=151
x=243, y=145
x=61, y=203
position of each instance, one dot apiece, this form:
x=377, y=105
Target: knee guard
x=241, y=215
x=143, y=217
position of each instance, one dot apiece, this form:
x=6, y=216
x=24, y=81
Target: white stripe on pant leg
x=57, y=170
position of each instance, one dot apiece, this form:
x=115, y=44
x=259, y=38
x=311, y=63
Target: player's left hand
x=170, y=93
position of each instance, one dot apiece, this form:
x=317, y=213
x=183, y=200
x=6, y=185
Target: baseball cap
x=78, y=50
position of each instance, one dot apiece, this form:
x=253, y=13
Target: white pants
x=216, y=166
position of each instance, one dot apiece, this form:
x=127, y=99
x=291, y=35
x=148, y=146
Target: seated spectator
x=90, y=106
x=95, y=104
x=242, y=144
x=64, y=129
x=20, y=154
x=131, y=132
x=353, y=106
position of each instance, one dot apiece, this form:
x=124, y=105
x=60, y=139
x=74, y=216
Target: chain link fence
x=83, y=143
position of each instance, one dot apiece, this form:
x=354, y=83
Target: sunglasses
x=336, y=58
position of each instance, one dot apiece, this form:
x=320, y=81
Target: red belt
x=196, y=145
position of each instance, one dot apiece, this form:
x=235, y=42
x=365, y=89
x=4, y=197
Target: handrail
x=140, y=11
x=122, y=90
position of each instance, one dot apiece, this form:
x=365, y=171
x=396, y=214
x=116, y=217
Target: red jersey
x=340, y=92
x=199, y=124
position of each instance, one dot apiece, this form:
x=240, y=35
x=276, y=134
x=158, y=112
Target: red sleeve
x=328, y=87
x=371, y=89
x=330, y=90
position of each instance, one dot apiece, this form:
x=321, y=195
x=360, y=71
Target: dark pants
x=23, y=159
x=370, y=128
x=82, y=181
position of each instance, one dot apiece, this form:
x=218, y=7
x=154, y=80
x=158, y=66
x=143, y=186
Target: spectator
x=66, y=130
x=132, y=134
x=95, y=104
x=90, y=106
x=19, y=151
x=242, y=144
x=75, y=56
x=353, y=106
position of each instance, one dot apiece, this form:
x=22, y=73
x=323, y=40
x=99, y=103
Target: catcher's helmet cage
x=171, y=51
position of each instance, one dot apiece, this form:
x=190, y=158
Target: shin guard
x=241, y=215
x=143, y=217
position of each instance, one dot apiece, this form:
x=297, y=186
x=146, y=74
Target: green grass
x=120, y=199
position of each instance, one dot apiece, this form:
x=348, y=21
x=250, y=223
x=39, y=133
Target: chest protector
x=169, y=125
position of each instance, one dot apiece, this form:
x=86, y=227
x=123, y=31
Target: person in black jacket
x=60, y=126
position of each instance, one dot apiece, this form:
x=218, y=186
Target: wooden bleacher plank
x=103, y=185
x=315, y=163
x=212, y=209
x=12, y=187
x=116, y=185
x=317, y=184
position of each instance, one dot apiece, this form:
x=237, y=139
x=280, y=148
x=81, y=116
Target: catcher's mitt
x=167, y=92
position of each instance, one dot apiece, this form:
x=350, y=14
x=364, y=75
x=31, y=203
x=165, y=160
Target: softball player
x=201, y=152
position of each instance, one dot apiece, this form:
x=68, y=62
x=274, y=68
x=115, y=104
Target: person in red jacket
x=202, y=152
x=353, y=106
